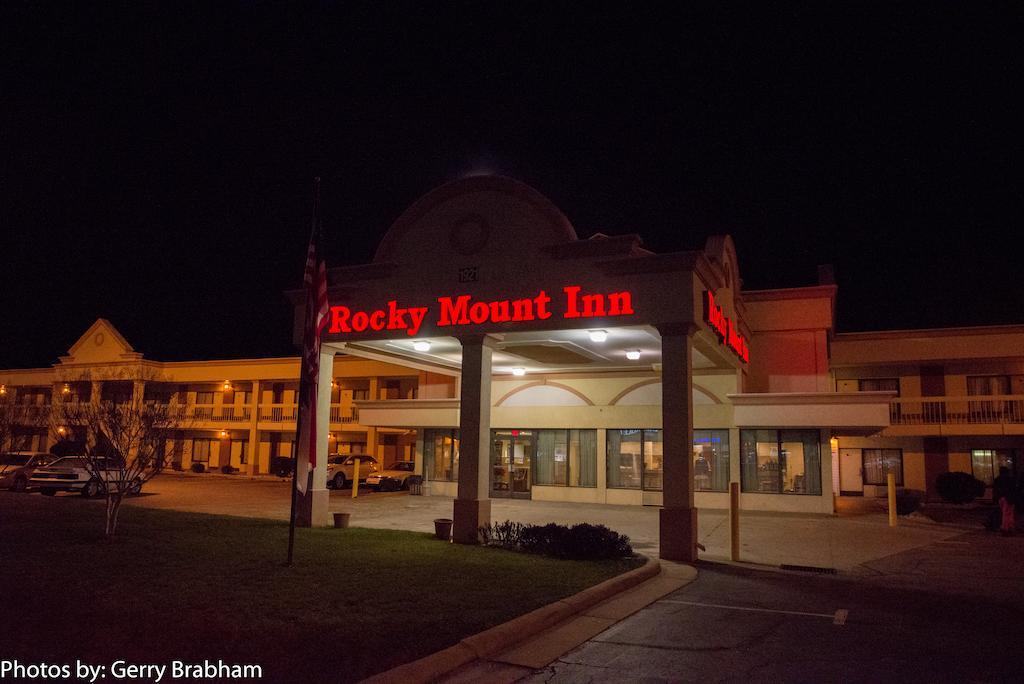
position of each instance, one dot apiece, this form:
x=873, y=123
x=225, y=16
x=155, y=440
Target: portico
x=495, y=289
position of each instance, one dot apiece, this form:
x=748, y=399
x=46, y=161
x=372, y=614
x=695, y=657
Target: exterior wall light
x=633, y=354
x=598, y=335
x=223, y=433
x=421, y=345
x=66, y=389
x=3, y=390
x=61, y=430
x=519, y=371
x=227, y=385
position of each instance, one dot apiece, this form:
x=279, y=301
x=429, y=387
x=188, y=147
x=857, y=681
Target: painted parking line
x=837, y=618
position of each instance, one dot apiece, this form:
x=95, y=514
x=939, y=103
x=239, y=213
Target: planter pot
x=341, y=519
x=443, y=528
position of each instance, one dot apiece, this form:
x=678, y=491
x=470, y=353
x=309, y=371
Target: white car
x=341, y=469
x=397, y=476
x=71, y=474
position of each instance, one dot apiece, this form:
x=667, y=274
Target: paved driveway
x=847, y=543
x=946, y=612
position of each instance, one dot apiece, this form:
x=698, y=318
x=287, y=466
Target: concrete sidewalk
x=845, y=542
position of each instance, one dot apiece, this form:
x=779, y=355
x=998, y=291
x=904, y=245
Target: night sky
x=155, y=164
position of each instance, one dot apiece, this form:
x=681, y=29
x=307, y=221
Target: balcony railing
x=992, y=410
x=279, y=413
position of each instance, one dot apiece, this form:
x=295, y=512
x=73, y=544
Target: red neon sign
x=464, y=310
x=724, y=327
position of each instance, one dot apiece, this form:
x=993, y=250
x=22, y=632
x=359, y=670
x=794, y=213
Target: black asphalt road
x=949, y=612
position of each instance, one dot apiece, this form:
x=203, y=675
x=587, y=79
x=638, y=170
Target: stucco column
x=472, y=508
x=312, y=506
x=254, y=428
x=678, y=517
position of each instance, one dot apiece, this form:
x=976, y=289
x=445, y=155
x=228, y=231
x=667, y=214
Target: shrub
x=198, y=468
x=959, y=488
x=908, y=501
x=228, y=469
x=506, y=535
x=579, y=542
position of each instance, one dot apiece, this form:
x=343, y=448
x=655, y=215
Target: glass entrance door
x=512, y=454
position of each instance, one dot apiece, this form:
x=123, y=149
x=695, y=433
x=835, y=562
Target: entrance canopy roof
x=553, y=351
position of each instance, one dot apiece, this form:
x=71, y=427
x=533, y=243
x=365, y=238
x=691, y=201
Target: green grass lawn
x=185, y=586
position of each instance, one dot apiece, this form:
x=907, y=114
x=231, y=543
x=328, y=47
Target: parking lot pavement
x=929, y=614
x=263, y=497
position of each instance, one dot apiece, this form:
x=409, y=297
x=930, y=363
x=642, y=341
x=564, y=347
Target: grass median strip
x=185, y=586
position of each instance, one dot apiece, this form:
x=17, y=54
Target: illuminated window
x=711, y=460
x=441, y=455
x=780, y=462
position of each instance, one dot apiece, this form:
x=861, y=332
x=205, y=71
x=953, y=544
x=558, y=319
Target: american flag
x=315, y=284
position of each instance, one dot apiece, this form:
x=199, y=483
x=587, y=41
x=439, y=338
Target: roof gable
x=101, y=343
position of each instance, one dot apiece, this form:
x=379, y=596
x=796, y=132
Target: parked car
x=72, y=474
x=397, y=476
x=16, y=468
x=341, y=469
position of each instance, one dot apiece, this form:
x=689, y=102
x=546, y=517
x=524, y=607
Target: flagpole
x=298, y=418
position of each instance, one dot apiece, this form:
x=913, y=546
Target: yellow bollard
x=891, y=482
x=734, y=520
x=355, y=479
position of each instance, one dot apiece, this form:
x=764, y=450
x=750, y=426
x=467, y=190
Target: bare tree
x=123, y=439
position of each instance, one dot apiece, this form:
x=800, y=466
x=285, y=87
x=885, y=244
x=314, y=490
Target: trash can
x=443, y=528
x=341, y=519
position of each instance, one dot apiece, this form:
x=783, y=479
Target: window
x=243, y=454
x=204, y=398
x=985, y=463
x=441, y=455
x=879, y=385
x=566, y=458
x=201, y=450
x=780, y=461
x=625, y=459
x=987, y=385
x=636, y=460
x=878, y=463
x=711, y=460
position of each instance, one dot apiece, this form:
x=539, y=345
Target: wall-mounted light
x=223, y=434
x=633, y=354
x=331, y=436
x=3, y=390
x=227, y=385
x=519, y=371
x=598, y=335
x=421, y=345
x=334, y=384
x=61, y=431
x=66, y=389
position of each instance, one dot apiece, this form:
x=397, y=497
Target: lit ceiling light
x=519, y=371
x=633, y=354
x=421, y=345
x=598, y=335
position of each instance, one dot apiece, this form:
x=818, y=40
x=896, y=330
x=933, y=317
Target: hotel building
x=509, y=358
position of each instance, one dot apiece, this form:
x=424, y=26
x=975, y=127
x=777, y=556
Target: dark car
x=16, y=468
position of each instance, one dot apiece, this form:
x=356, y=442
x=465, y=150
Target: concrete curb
x=501, y=637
